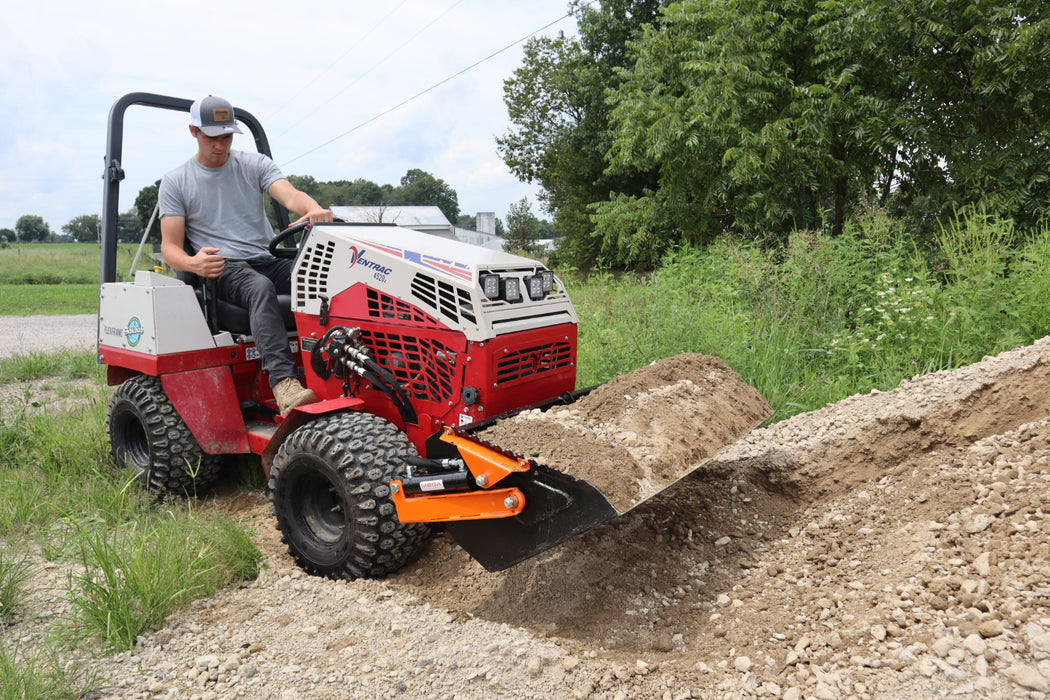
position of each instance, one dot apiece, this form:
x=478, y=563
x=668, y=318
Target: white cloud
x=311, y=72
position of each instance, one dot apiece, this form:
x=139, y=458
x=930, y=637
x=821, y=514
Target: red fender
x=207, y=401
x=300, y=416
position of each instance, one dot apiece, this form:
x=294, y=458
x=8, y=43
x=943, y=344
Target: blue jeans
x=255, y=284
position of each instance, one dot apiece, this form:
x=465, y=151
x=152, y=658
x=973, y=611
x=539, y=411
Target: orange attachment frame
x=488, y=466
x=466, y=505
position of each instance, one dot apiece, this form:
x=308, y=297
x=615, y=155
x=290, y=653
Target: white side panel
x=155, y=315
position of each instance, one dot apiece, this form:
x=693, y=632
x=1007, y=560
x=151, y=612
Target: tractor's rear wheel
x=148, y=437
x=329, y=485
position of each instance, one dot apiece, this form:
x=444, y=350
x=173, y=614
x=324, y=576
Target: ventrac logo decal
x=357, y=257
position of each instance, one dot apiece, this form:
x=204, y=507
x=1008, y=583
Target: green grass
x=42, y=674
x=14, y=573
x=64, y=263
x=58, y=278
x=61, y=364
x=50, y=299
x=139, y=572
x=139, y=558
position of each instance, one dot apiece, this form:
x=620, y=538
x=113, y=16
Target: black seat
x=223, y=315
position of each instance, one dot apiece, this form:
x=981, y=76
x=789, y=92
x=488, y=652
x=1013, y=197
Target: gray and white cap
x=214, y=116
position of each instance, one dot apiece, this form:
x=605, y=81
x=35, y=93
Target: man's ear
x=193, y=131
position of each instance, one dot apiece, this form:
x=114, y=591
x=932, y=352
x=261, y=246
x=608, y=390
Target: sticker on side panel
x=133, y=333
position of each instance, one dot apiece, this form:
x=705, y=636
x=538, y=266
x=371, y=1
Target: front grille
x=424, y=368
x=527, y=362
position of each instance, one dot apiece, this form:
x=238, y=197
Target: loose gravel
x=24, y=334
x=892, y=545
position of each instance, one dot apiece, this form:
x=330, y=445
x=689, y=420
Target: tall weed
x=1030, y=274
x=14, y=573
x=43, y=673
x=825, y=317
x=135, y=575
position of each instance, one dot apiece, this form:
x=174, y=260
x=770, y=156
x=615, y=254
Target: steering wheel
x=282, y=252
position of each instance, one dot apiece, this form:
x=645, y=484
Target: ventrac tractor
x=411, y=342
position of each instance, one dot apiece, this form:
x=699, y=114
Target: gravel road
x=23, y=334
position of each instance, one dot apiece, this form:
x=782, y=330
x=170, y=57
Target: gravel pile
x=893, y=545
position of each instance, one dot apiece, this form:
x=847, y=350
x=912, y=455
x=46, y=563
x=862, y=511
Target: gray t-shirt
x=223, y=206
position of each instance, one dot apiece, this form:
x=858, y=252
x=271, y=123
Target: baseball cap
x=214, y=116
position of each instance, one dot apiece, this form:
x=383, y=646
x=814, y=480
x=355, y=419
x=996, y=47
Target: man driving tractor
x=213, y=224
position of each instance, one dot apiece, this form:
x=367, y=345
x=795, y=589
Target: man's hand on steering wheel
x=315, y=216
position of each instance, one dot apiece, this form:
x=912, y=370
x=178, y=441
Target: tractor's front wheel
x=329, y=485
x=148, y=437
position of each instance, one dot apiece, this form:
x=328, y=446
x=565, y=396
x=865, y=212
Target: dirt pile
x=639, y=433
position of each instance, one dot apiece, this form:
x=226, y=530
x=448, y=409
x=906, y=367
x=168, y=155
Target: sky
x=324, y=77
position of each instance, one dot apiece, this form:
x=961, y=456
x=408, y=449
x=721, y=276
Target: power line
x=429, y=89
x=343, y=55
x=383, y=60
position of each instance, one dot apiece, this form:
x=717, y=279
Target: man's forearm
x=175, y=257
x=303, y=204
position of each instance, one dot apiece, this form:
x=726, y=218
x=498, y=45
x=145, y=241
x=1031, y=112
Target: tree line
x=416, y=188
x=664, y=124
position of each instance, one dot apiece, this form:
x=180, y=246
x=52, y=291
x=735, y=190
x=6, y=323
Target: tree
x=367, y=193
x=966, y=101
x=145, y=204
x=420, y=188
x=762, y=116
x=750, y=125
x=417, y=188
x=84, y=228
x=30, y=228
x=523, y=227
x=7, y=235
x=556, y=102
x=129, y=230
x=359, y=192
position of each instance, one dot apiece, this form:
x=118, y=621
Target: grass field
x=57, y=278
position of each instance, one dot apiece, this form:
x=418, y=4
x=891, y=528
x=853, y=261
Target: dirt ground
x=892, y=545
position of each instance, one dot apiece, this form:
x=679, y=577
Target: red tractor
x=410, y=341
